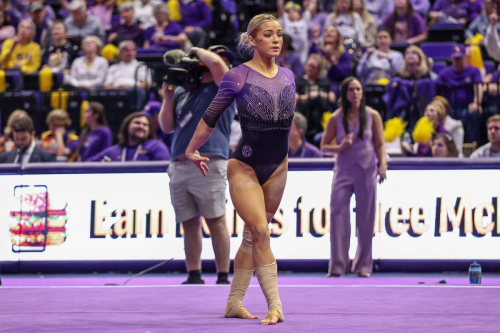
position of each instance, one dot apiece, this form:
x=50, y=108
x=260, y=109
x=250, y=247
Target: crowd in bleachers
x=416, y=58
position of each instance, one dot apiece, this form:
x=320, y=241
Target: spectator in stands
x=6, y=30
x=315, y=95
x=103, y=10
x=461, y=84
x=296, y=25
x=318, y=17
x=152, y=109
x=443, y=146
x=21, y=9
x=95, y=136
x=436, y=115
x=288, y=58
x=143, y=13
x=89, y=72
x=347, y=21
x=452, y=126
x=21, y=52
x=404, y=24
x=42, y=24
x=128, y=30
x=23, y=134
x=129, y=74
x=60, y=55
x=136, y=143
x=196, y=20
x=298, y=147
x=416, y=65
x=332, y=49
x=164, y=34
x=58, y=139
x=381, y=62
x=491, y=40
x=10, y=14
x=421, y=7
x=6, y=140
x=452, y=11
x=492, y=148
x=368, y=21
x=481, y=22
x=80, y=24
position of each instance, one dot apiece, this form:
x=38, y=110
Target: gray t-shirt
x=485, y=151
x=189, y=108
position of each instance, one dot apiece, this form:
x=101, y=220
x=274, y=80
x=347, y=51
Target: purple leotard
x=265, y=106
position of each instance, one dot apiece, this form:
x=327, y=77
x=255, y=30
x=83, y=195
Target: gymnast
x=257, y=171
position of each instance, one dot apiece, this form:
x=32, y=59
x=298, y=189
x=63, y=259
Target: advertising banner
x=421, y=214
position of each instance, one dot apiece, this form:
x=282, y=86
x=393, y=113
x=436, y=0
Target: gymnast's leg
x=249, y=199
x=243, y=272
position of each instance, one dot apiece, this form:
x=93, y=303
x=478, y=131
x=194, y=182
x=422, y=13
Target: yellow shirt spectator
x=26, y=57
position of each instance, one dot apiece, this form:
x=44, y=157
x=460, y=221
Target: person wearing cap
x=80, y=24
x=181, y=112
x=288, y=58
x=165, y=34
x=129, y=74
x=21, y=52
x=103, y=10
x=298, y=147
x=152, y=109
x=296, y=25
x=42, y=23
x=465, y=100
x=60, y=55
x=196, y=20
x=128, y=30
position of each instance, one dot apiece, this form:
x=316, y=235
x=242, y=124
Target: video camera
x=184, y=70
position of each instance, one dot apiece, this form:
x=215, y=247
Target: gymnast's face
x=354, y=92
x=268, y=40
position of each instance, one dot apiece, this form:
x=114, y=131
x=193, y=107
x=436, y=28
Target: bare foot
x=244, y=314
x=272, y=318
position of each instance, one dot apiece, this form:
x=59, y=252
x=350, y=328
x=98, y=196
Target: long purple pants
x=363, y=183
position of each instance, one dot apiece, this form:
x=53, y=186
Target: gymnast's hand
x=199, y=161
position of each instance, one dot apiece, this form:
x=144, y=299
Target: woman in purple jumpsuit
x=358, y=132
x=265, y=98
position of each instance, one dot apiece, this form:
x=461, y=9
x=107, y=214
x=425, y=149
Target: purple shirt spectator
x=420, y=6
x=172, y=29
x=343, y=69
x=318, y=21
x=460, y=97
x=126, y=32
x=151, y=150
x=96, y=142
x=195, y=13
x=306, y=150
x=406, y=27
x=454, y=8
x=104, y=13
x=292, y=62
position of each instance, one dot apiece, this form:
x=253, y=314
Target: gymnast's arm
x=329, y=135
x=225, y=97
x=378, y=138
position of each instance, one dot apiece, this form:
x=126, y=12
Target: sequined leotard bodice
x=265, y=106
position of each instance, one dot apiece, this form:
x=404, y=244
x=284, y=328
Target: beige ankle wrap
x=239, y=286
x=268, y=280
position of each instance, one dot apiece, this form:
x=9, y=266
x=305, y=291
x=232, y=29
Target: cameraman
x=194, y=196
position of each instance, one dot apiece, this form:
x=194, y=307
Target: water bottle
x=407, y=138
x=475, y=273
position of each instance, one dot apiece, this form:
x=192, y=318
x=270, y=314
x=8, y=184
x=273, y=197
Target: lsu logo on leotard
x=246, y=151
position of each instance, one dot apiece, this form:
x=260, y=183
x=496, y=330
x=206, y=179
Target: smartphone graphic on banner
x=28, y=227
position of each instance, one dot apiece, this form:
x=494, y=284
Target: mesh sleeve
x=230, y=84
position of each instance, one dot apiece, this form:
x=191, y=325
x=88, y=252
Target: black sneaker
x=193, y=281
x=223, y=281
